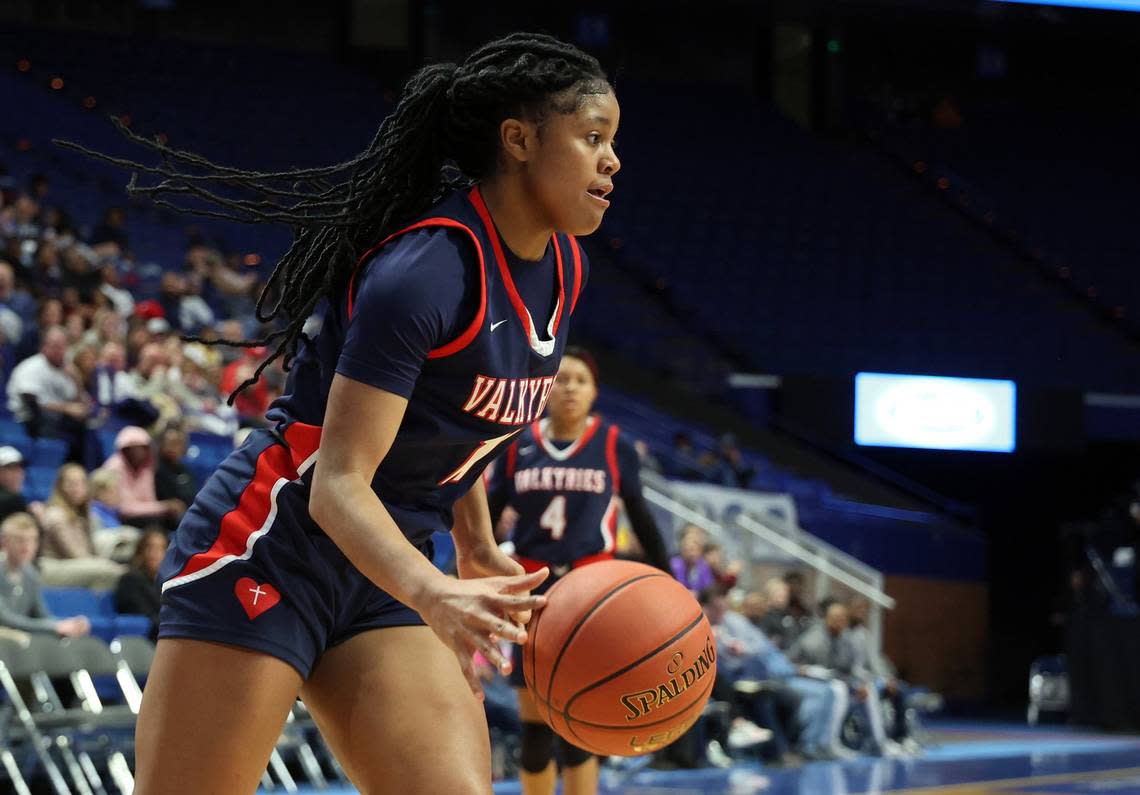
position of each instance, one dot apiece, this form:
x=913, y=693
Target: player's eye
x=594, y=138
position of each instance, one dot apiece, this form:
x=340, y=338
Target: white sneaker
x=841, y=753
x=892, y=750
x=745, y=734
x=717, y=756
x=913, y=746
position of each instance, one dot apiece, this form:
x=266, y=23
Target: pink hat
x=132, y=436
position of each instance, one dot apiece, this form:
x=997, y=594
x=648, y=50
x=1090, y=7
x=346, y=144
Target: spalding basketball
x=621, y=660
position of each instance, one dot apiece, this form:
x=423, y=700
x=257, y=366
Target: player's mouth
x=599, y=191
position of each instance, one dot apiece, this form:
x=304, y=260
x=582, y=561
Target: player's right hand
x=467, y=615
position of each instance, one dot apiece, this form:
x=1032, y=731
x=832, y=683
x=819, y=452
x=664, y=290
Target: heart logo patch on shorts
x=255, y=597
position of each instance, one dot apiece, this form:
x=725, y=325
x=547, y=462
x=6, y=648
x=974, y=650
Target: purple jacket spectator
x=696, y=576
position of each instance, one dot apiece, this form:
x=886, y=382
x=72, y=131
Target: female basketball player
x=563, y=476
x=303, y=565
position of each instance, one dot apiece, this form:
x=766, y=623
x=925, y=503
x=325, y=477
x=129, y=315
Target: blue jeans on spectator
x=820, y=714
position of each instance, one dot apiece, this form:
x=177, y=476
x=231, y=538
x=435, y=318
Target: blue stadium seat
x=48, y=452
x=38, y=482
x=97, y=606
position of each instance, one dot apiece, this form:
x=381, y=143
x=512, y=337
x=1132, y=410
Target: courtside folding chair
x=134, y=656
x=91, y=727
x=19, y=727
x=110, y=726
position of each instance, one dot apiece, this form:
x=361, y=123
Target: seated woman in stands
x=137, y=591
x=69, y=558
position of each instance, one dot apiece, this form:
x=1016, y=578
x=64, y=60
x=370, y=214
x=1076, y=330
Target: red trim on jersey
x=532, y=565
x=466, y=338
x=257, y=502
x=561, y=285
x=577, y=273
x=512, y=458
x=505, y=273
x=611, y=457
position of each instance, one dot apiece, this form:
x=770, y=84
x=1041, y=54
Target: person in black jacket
x=172, y=479
x=137, y=592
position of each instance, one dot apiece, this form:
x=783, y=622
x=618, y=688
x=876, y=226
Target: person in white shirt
x=43, y=395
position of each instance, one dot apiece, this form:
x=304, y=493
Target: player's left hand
x=487, y=560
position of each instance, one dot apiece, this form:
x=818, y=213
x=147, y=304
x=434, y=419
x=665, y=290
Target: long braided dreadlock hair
x=442, y=135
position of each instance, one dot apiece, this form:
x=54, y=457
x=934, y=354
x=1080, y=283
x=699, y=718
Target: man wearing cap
x=43, y=395
x=11, y=482
x=22, y=604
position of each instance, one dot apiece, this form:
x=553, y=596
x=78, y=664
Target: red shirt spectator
x=254, y=401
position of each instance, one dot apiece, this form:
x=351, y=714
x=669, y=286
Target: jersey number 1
x=554, y=517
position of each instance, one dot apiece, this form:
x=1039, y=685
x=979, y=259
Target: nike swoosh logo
x=496, y=325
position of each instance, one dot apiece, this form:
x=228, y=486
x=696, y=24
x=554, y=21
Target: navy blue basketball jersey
x=566, y=497
x=471, y=396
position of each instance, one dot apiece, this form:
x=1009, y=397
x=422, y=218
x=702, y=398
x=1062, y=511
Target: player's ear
x=518, y=139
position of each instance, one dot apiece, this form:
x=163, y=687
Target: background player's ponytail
x=443, y=134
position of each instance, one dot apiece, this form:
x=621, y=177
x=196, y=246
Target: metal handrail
x=811, y=558
x=818, y=562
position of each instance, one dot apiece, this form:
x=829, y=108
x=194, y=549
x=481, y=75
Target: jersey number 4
x=553, y=518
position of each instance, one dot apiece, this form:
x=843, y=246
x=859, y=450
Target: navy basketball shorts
x=248, y=566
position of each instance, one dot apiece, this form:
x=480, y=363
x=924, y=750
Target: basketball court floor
x=966, y=759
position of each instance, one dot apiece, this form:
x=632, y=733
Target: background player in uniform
x=302, y=565
x=564, y=476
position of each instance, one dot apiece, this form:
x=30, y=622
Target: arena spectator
x=195, y=313
x=46, y=275
x=137, y=591
x=22, y=604
x=49, y=314
x=778, y=623
x=110, y=236
x=45, y=396
x=113, y=384
x=16, y=299
x=744, y=653
x=827, y=645
x=689, y=566
x=685, y=463
x=121, y=299
x=112, y=538
x=797, y=602
x=133, y=461
x=648, y=460
x=85, y=361
x=78, y=272
x=755, y=607
x=171, y=291
x=154, y=380
x=729, y=467
x=107, y=325
x=69, y=558
x=25, y=211
x=724, y=572
x=877, y=670
x=252, y=403
x=11, y=482
x=39, y=186
x=172, y=479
